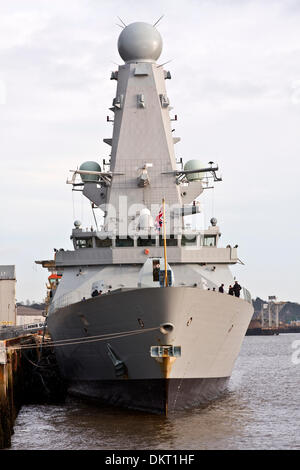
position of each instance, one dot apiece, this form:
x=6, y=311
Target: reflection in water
x=259, y=411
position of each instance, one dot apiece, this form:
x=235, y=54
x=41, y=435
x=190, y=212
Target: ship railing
x=73, y=297
x=247, y=295
x=66, y=299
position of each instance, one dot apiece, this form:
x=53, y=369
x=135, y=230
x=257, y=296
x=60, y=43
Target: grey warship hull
x=157, y=396
x=120, y=370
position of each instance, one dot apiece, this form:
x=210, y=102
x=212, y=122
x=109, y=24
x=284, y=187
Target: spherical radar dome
x=192, y=165
x=140, y=42
x=89, y=166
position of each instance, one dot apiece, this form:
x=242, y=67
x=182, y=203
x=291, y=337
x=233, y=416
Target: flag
x=159, y=220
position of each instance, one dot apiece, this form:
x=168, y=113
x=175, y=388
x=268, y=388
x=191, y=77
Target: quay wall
x=28, y=375
x=271, y=331
x=12, y=375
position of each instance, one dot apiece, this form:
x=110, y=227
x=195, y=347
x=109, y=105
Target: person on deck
x=236, y=289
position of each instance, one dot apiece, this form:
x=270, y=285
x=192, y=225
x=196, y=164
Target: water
x=259, y=411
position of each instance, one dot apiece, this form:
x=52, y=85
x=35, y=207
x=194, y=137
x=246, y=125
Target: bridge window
x=146, y=241
x=171, y=240
x=123, y=242
x=84, y=242
x=103, y=243
x=209, y=240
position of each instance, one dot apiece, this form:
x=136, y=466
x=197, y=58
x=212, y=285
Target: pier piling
x=26, y=377
x=10, y=399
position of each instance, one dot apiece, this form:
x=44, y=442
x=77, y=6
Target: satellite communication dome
x=140, y=42
x=90, y=166
x=194, y=165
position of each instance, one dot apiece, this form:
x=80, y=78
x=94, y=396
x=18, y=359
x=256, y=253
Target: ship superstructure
x=140, y=292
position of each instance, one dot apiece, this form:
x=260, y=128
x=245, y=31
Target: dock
x=262, y=331
x=28, y=375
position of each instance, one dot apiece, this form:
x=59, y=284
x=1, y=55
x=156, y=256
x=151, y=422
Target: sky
x=235, y=87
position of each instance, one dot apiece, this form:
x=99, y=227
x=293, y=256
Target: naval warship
x=136, y=316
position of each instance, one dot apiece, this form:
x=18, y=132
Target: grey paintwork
x=99, y=256
x=208, y=326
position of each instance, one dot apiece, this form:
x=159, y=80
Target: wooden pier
x=11, y=385
x=28, y=375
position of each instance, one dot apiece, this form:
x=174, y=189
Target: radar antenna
x=158, y=20
x=161, y=65
x=122, y=21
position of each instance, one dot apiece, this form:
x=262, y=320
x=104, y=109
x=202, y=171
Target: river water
x=261, y=410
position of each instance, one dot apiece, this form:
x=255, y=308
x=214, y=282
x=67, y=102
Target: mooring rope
x=88, y=339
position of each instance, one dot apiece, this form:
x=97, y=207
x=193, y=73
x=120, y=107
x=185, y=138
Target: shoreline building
x=7, y=295
x=27, y=315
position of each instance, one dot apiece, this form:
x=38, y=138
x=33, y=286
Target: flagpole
x=165, y=243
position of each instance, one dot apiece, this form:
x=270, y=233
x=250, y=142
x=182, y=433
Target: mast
x=165, y=243
x=143, y=166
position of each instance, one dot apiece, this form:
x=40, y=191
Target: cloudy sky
x=235, y=87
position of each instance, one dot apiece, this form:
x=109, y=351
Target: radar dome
x=194, y=165
x=90, y=166
x=140, y=42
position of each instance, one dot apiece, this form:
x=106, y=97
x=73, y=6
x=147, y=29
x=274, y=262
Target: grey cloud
x=235, y=86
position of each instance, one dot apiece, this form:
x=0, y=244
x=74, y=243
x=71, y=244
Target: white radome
x=140, y=42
